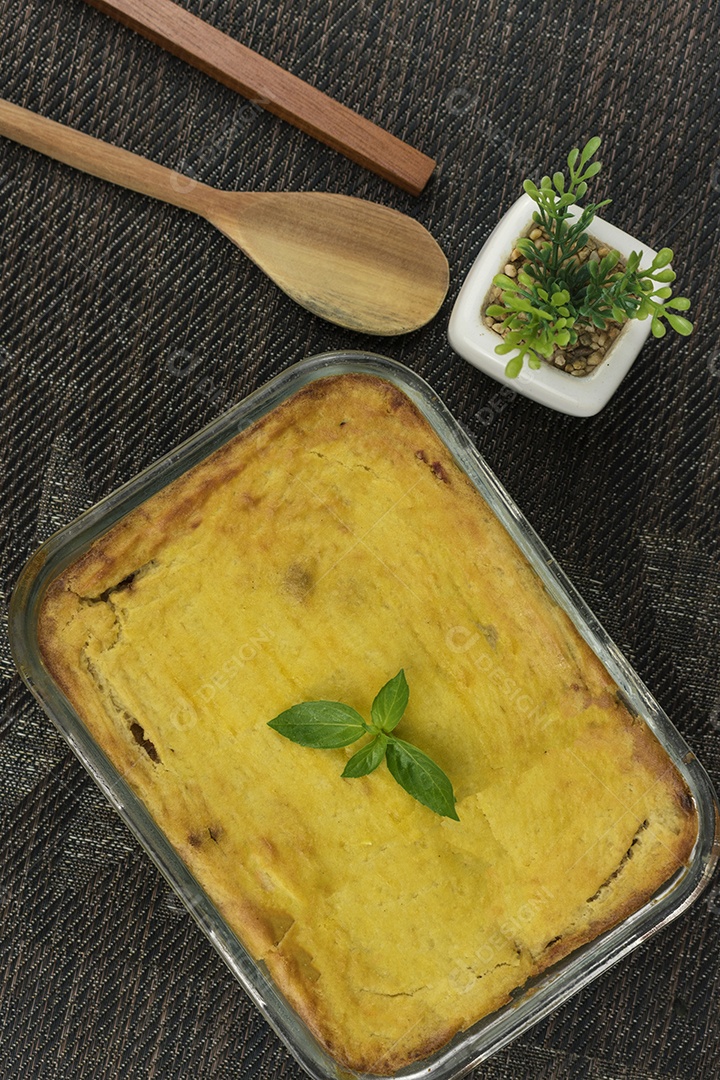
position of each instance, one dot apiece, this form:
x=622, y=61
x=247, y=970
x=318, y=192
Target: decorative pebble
x=536, y=234
x=510, y=270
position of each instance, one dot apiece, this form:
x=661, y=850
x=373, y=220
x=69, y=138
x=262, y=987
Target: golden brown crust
x=311, y=557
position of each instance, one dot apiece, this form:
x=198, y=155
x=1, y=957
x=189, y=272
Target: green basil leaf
x=323, y=725
x=391, y=702
x=421, y=777
x=367, y=758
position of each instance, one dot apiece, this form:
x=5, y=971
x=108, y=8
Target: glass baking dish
x=543, y=993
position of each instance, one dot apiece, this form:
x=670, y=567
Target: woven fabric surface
x=126, y=325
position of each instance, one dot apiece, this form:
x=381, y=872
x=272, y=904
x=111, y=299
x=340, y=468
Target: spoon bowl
x=355, y=263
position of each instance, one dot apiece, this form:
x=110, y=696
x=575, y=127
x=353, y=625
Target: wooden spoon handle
x=285, y=95
x=101, y=159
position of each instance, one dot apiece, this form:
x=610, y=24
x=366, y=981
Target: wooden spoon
x=353, y=262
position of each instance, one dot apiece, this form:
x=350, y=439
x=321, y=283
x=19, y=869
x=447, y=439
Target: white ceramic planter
x=553, y=387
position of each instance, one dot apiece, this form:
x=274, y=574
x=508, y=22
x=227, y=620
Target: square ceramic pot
x=551, y=386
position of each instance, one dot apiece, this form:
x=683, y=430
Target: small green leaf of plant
x=663, y=257
x=324, y=725
x=592, y=170
x=679, y=324
x=421, y=777
x=591, y=147
x=514, y=366
x=367, y=759
x=390, y=703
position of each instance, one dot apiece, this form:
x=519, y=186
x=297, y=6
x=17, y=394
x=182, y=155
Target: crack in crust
x=132, y=723
x=126, y=584
x=621, y=865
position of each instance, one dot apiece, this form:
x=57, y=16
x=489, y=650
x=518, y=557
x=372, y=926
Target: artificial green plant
x=556, y=297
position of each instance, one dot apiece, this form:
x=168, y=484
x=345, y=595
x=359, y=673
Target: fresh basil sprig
x=330, y=724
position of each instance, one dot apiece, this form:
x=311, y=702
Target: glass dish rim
x=544, y=993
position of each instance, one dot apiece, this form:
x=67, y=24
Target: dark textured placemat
x=125, y=325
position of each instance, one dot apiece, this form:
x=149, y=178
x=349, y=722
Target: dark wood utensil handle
x=285, y=95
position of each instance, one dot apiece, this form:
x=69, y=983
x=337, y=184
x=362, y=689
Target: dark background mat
x=126, y=325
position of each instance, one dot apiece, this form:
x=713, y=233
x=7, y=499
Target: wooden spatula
x=352, y=262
